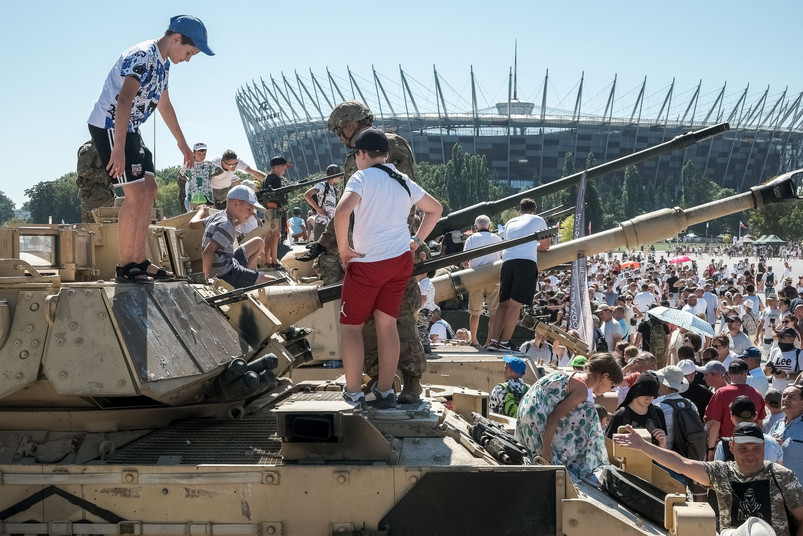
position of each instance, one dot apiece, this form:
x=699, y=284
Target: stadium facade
x=523, y=140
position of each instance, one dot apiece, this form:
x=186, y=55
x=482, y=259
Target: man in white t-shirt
x=643, y=299
x=519, y=274
x=380, y=264
x=224, y=178
x=482, y=236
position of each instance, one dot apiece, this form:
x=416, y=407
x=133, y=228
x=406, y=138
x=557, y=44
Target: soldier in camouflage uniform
x=94, y=186
x=347, y=120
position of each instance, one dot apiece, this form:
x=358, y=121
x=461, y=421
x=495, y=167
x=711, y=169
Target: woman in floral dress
x=558, y=422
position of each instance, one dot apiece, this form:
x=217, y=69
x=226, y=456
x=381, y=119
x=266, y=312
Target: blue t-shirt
x=791, y=442
x=295, y=225
x=145, y=63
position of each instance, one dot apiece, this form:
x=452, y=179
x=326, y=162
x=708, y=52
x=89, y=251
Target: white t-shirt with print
x=143, y=62
x=380, y=218
x=223, y=178
x=327, y=202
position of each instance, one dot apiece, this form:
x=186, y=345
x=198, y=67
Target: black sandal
x=160, y=275
x=132, y=273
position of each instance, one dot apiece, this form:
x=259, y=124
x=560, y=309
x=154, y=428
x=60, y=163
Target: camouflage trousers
x=423, y=327
x=328, y=267
x=92, y=199
x=412, y=361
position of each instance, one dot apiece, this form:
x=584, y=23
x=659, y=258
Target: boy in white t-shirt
x=381, y=262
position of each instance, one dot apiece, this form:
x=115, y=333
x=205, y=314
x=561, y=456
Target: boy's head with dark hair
x=372, y=141
x=686, y=352
x=527, y=206
x=228, y=154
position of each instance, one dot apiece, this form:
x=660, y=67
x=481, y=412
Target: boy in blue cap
x=135, y=86
x=506, y=396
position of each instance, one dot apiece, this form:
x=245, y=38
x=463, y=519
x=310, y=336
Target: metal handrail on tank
x=463, y=218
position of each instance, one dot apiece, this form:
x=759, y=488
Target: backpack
x=511, y=403
x=602, y=344
x=690, y=438
x=657, y=339
x=326, y=188
x=769, y=279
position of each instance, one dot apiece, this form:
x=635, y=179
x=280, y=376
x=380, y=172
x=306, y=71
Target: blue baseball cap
x=750, y=351
x=516, y=364
x=191, y=27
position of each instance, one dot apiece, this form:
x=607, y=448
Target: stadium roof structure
x=522, y=140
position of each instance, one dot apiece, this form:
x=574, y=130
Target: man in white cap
x=222, y=257
x=752, y=494
x=482, y=236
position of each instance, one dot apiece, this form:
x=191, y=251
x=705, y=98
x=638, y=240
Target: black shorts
x=517, y=281
x=138, y=159
x=239, y=276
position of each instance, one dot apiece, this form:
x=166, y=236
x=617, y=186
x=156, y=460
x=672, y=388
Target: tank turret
x=463, y=218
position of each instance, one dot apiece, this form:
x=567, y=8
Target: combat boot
x=411, y=393
x=313, y=253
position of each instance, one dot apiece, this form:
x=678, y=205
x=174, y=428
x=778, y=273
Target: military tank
x=172, y=408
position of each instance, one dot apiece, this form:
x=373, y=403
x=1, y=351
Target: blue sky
x=56, y=55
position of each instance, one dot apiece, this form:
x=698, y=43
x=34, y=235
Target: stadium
x=526, y=140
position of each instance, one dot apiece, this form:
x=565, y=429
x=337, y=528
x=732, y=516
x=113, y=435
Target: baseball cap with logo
x=516, y=364
x=747, y=432
x=199, y=146
x=191, y=27
x=244, y=193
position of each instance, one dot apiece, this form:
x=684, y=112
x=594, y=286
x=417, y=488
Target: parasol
x=683, y=319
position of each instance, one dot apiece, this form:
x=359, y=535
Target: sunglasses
x=716, y=346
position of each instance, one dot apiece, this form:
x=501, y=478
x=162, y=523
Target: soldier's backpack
x=690, y=439
x=512, y=399
x=657, y=338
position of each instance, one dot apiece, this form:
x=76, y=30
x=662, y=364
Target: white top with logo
x=143, y=62
x=380, y=218
x=327, y=202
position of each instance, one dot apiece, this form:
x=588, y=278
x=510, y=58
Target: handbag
x=790, y=519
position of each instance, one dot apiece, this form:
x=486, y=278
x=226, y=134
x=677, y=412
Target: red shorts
x=371, y=286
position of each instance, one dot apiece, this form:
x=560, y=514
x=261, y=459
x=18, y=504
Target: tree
x=6, y=208
x=566, y=231
x=167, y=196
x=631, y=193
x=56, y=199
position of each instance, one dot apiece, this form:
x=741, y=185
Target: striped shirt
x=220, y=229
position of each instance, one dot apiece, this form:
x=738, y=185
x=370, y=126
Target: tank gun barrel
x=642, y=230
x=271, y=193
x=465, y=217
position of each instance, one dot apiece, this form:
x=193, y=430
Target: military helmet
x=348, y=111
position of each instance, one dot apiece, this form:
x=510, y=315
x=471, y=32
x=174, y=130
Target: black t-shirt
x=654, y=418
x=700, y=396
x=671, y=284
x=273, y=181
